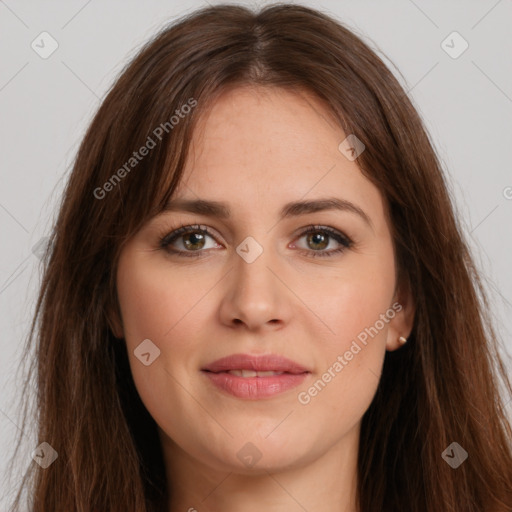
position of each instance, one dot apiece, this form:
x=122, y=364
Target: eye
x=191, y=238
x=319, y=237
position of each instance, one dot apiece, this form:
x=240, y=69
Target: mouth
x=251, y=373
x=255, y=377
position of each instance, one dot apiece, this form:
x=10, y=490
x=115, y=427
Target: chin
x=264, y=456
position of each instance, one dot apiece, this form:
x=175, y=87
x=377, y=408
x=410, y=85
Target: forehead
x=271, y=124
x=263, y=146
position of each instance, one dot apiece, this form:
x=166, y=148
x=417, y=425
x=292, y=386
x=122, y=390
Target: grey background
x=46, y=104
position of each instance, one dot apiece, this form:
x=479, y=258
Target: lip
x=255, y=388
x=261, y=363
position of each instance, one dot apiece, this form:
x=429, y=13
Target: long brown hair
x=443, y=386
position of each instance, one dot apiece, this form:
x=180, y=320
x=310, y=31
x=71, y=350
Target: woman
x=258, y=295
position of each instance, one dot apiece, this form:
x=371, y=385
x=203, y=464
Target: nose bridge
x=254, y=295
x=251, y=265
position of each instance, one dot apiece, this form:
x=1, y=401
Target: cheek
x=165, y=305
x=154, y=299
x=356, y=306
x=353, y=300
x=156, y=305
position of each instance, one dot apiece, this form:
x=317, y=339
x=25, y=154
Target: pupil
x=193, y=236
x=318, y=238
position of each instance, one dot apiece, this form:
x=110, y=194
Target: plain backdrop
x=464, y=97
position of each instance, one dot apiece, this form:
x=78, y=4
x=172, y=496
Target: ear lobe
x=402, y=323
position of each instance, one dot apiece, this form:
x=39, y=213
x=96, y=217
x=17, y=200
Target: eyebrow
x=294, y=209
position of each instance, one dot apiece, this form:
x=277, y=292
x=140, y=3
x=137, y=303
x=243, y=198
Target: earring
x=402, y=340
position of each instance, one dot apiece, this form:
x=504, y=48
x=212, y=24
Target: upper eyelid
x=182, y=230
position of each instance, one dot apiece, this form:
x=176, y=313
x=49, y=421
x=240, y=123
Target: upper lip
x=261, y=363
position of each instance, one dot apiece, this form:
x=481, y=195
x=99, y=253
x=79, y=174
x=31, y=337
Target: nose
x=255, y=295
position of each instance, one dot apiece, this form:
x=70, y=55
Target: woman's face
x=256, y=285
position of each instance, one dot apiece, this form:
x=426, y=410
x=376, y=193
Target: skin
x=257, y=149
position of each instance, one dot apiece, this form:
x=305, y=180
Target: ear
x=114, y=321
x=402, y=323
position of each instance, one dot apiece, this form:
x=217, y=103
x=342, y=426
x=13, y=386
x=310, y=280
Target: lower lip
x=254, y=388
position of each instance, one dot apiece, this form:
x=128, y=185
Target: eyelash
x=168, y=238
